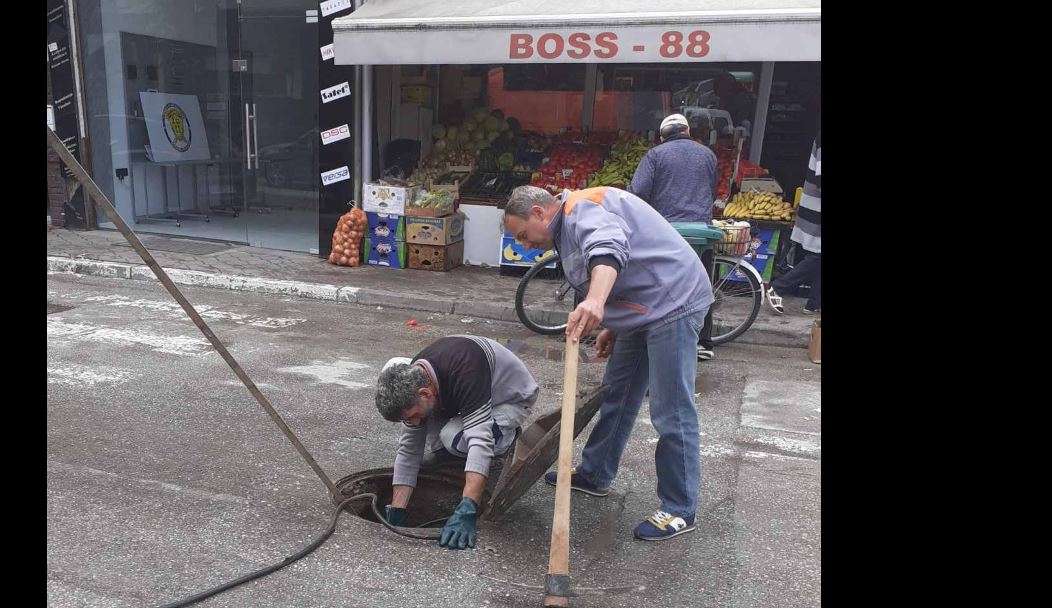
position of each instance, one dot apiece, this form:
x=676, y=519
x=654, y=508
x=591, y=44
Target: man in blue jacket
x=678, y=178
x=650, y=291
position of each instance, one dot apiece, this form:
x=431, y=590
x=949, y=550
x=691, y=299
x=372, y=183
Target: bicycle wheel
x=738, y=298
x=543, y=303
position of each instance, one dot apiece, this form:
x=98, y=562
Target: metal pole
x=763, y=102
x=92, y=190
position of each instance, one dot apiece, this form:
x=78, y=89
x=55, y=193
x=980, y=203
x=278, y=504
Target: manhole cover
x=53, y=308
x=158, y=243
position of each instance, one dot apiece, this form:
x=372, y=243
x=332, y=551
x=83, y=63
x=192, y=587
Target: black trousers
x=705, y=337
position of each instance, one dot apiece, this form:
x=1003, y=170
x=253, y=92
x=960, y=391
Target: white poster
x=175, y=127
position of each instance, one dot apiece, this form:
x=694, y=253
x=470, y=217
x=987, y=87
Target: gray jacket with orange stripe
x=660, y=279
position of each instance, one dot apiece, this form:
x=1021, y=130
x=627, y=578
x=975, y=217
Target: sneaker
x=808, y=311
x=704, y=354
x=577, y=483
x=775, y=301
x=663, y=526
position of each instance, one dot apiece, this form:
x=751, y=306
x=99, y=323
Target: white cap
x=673, y=119
x=396, y=361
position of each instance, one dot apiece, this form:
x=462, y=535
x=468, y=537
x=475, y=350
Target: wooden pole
x=557, y=581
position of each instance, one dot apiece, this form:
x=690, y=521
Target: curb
x=763, y=336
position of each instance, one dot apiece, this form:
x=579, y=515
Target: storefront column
x=591, y=70
x=763, y=102
x=367, y=123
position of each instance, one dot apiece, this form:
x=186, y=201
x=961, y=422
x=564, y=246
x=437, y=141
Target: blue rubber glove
x=459, y=532
x=394, y=515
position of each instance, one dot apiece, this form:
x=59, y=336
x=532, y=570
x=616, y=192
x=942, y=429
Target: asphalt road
x=166, y=477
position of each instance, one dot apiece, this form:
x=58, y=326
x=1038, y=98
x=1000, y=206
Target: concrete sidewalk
x=468, y=291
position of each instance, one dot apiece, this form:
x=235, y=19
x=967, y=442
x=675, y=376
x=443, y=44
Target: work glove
x=459, y=532
x=394, y=515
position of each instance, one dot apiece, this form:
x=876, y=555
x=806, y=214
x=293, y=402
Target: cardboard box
x=436, y=257
x=385, y=227
x=384, y=253
x=514, y=254
x=762, y=184
x=814, y=351
x=429, y=211
x=435, y=230
x=387, y=199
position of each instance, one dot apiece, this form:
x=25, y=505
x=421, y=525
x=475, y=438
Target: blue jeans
x=663, y=359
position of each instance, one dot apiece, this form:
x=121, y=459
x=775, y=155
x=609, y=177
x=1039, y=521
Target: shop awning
x=386, y=32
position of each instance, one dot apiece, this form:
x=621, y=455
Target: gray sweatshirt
x=473, y=375
x=660, y=277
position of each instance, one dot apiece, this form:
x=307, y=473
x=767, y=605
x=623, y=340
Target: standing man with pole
x=678, y=178
x=650, y=291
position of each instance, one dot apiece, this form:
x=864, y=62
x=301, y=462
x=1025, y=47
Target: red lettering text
x=542, y=46
x=521, y=46
x=606, y=41
x=579, y=42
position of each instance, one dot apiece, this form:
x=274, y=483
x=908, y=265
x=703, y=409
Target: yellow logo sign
x=176, y=127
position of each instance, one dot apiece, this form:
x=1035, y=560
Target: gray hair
x=396, y=389
x=524, y=197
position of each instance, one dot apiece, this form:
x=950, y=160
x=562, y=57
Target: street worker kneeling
x=462, y=397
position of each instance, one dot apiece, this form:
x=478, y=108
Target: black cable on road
x=431, y=534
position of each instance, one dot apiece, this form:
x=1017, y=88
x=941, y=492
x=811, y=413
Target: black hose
x=431, y=535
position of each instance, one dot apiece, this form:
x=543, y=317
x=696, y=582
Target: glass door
x=277, y=66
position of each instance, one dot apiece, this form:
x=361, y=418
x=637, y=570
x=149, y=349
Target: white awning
x=578, y=31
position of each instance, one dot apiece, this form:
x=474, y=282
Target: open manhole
x=438, y=491
x=434, y=499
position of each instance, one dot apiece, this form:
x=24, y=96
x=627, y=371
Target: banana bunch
x=759, y=206
x=621, y=166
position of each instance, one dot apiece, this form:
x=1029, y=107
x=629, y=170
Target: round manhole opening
x=434, y=499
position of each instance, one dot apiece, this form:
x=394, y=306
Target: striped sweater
x=808, y=228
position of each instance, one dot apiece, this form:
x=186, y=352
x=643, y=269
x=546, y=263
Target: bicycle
x=542, y=305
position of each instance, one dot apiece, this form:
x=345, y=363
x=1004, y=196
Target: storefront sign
x=717, y=41
x=335, y=134
x=333, y=93
x=328, y=52
x=63, y=118
x=334, y=6
x=175, y=127
x=336, y=175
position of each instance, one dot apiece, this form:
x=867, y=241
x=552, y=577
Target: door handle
x=255, y=136
x=248, y=141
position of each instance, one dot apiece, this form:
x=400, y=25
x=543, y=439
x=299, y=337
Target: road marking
x=79, y=375
x=170, y=487
x=173, y=345
x=206, y=312
x=339, y=373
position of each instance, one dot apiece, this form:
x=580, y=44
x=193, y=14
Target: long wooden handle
x=559, y=552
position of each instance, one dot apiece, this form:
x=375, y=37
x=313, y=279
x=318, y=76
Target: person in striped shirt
x=807, y=231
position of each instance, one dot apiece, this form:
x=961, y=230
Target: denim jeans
x=663, y=359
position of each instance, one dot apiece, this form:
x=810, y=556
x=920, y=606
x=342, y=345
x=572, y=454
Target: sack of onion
x=347, y=239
